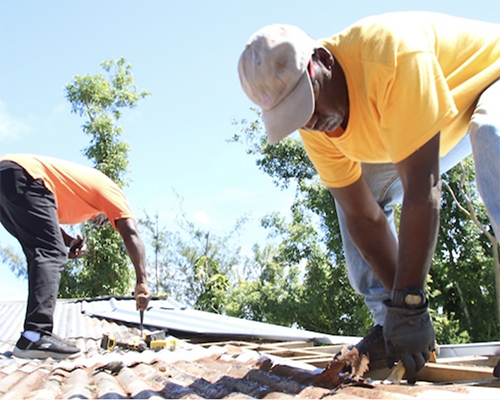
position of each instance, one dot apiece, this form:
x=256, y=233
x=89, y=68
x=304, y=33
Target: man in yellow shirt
x=37, y=194
x=383, y=108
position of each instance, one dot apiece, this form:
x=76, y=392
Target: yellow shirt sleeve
x=328, y=160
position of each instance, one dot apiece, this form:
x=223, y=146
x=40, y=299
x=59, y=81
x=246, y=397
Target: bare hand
x=78, y=248
x=142, y=296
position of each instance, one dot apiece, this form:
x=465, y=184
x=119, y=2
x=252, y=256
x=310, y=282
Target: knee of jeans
x=365, y=282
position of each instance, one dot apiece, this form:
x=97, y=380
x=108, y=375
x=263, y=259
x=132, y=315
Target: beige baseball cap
x=273, y=74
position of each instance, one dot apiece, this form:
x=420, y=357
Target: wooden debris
x=332, y=376
x=396, y=375
x=357, y=362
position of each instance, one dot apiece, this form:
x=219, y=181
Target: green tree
x=16, y=261
x=205, y=264
x=106, y=268
x=215, y=285
x=193, y=265
x=322, y=299
x=462, y=277
x=271, y=294
x=461, y=283
x=294, y=283
x=161, y=242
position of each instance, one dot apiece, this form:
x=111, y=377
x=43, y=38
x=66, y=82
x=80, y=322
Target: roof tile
x=235, y=370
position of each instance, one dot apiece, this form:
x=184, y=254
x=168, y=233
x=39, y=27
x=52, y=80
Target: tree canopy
x=461, y=283
x=106, y=267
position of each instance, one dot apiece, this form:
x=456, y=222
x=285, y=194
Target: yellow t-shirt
x=80, y=192
x=409, y=76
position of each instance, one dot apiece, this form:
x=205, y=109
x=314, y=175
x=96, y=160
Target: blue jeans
x=482, y=140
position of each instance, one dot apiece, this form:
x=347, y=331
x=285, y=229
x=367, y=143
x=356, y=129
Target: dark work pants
x=28, y=212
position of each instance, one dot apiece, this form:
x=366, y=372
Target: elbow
x=127, y=227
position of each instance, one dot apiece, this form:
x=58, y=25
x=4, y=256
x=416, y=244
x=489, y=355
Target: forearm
x=134, y=245
x=418, y=233
x=379, y=248
x=418, y=228
x=369, y=229
x=127, y=227
x=136, y=251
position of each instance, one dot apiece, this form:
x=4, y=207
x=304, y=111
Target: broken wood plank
x=434, y=372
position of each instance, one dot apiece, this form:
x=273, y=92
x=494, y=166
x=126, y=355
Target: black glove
x=409, y=337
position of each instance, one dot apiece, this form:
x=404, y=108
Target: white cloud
x=202, y=218
x=10, y=128
x=60, y=110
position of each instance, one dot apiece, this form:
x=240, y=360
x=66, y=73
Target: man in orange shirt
x=37, y=194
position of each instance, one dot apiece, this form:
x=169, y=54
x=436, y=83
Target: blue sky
x=185, y=53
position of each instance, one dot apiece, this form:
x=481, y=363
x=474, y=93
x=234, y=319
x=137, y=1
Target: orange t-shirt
x=80, y=192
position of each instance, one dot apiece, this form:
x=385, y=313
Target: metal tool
x=109, y=342
x=157, y=340
x=141, y=317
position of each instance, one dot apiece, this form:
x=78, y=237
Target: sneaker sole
x=43, y=354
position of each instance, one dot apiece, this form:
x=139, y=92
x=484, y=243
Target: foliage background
x=298, y=277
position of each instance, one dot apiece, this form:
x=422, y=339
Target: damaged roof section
x=194, y=372
x=263, y=364
x=191, y=372
x=186, y=372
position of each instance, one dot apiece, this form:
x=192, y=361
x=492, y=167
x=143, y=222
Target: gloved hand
x=409, y=337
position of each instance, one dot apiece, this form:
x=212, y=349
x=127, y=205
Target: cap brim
x=292, y=113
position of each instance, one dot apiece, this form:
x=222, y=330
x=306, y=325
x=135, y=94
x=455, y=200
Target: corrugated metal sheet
x=11, y=319
x=69, y=321
x=72, y=320
x=167, y=314
x=469, y=349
